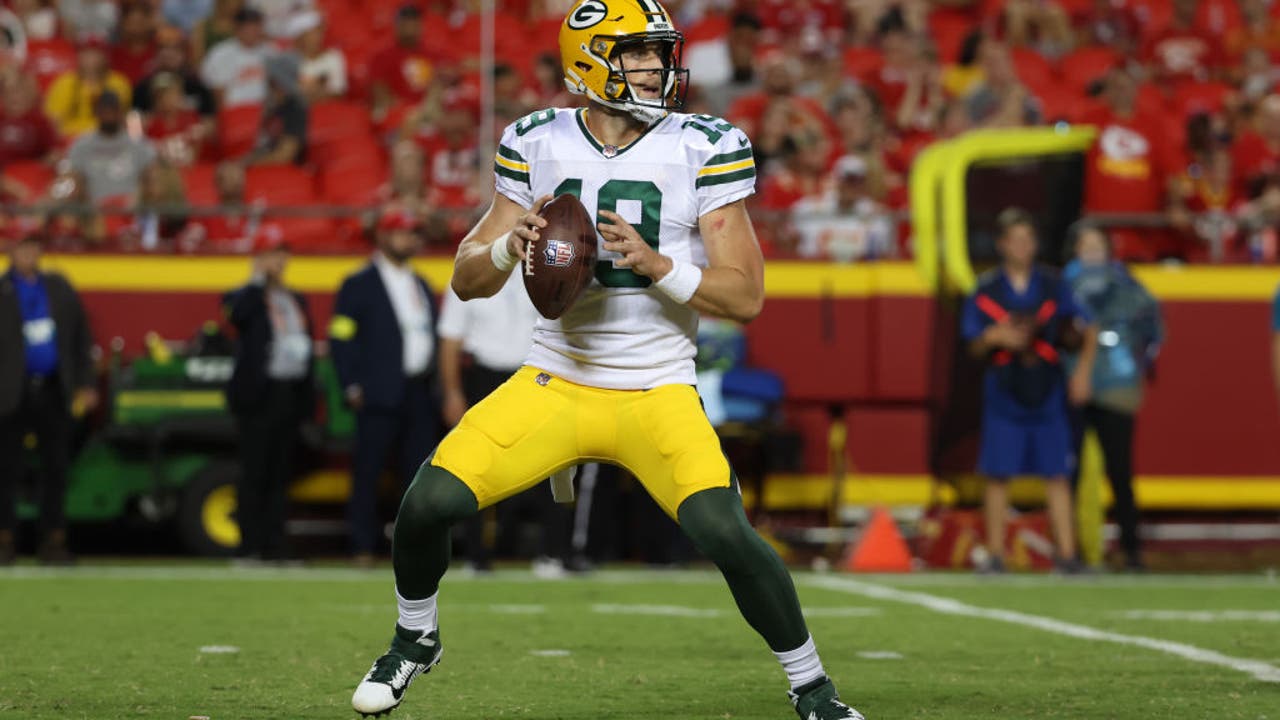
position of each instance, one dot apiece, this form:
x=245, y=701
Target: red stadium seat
x=948, y=30
x=309, y=234
x=238, y=130
x=353, y=181
x=35, y=176
x=334, y=126
x=1082, y=67
x=198, y=181
x=280, y=185
x=1062, y=103
x=1036, y=72
x=47, y=59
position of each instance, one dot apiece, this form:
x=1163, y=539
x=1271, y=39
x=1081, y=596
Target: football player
x=612, y=379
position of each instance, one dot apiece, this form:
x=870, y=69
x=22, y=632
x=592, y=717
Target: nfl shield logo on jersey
x=559, y=253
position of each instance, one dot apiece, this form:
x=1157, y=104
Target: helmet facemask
x=623, y=89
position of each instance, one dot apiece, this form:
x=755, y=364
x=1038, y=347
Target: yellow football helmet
x=593, y=35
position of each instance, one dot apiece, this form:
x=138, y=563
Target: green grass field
x=133, y=642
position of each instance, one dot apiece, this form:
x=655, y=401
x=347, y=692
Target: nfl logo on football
x=559, y=253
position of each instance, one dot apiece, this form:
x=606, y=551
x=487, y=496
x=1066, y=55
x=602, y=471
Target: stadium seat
x=353, y=182
x=280, y=185
x=948, y=30
x=335, y=125
x=1036, y=72
x=47, y=59
x=35, y=176
x=1062, y=103
x=198, y=181
x=238, y=130
x=1086, y=64
x=310, y=235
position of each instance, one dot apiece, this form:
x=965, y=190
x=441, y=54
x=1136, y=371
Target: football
x=561, y=263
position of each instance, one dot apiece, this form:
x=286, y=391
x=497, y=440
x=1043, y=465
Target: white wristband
x=682, y=282
x=501, y=255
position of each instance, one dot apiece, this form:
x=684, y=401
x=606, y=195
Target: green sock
x=760, y=583
x=421, y=549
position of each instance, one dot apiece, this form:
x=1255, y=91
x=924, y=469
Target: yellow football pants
x=536, y=424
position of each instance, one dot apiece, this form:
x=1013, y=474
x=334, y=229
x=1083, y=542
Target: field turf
x=176, y=641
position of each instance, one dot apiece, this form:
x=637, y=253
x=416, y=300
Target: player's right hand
x=526, y=229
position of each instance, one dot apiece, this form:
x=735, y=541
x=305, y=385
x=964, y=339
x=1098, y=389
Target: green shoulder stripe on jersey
x=513, y=174
x=728, y=157
x=510, y=154
x=706, y=180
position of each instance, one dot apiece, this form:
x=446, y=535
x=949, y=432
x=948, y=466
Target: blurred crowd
x=156, y=110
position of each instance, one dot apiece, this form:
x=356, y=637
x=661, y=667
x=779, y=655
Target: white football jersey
x=623, y=334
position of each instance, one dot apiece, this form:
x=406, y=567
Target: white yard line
x=219, y=649
x=518, y=609
x=1201, y=616
x=655, y=610
x=840, y=612
x=1260, y=670
x=879, y=655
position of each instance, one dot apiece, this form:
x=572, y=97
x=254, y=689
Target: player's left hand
x=620, y=237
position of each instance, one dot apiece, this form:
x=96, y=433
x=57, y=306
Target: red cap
x=270, y=236
x=398, y=220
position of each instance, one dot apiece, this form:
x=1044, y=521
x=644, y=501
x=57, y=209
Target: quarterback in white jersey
x=623, y=333
x=613, y=379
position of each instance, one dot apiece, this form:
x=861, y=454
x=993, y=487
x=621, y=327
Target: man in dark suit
x=270, y=393
x=46, y=377
x=383, y=343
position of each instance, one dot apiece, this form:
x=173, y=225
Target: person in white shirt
x=323, y=72
x=235, y=69
x=382, y=339
x=845, y=223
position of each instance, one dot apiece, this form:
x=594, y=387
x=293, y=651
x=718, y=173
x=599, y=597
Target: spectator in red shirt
x=1127, y=169
x=1257, y=152
x=177, y=131
x=1184, y=50
x=233, y=230
x=25, y=131
x=401, y=73
x=1108, y=23
x=807, y=22
x=908, y=82
x=135, y=47
x=1203, y=198
x=453, y=161
x=779, y=79
x=797, y=173
x=1259, y=31
x=407, y=189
